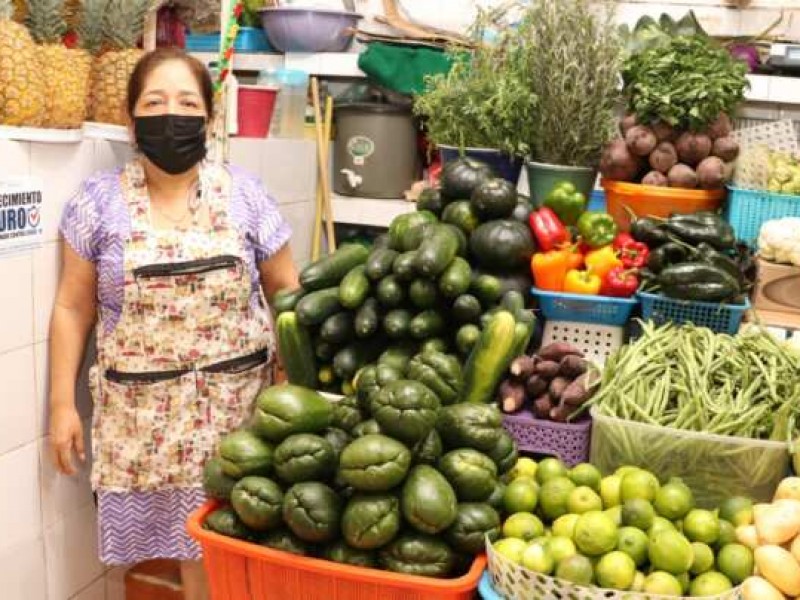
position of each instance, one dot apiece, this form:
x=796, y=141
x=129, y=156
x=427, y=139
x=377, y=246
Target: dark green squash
x=502, y=245
x=460, y=177
x=461, y=214
x=431, y=199
x=494, y=199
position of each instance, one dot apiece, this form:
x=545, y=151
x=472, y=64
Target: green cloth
x=402, y=68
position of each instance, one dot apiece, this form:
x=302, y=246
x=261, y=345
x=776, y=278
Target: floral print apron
x=190, y=352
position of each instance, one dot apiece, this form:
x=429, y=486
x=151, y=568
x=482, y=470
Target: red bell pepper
x=620, y=283
x=634, y=255
x=622, y=240
x=549, y=231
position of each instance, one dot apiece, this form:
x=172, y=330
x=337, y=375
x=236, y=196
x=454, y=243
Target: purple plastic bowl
x=293, y=29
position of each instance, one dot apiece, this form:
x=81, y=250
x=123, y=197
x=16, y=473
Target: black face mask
x=174, y=143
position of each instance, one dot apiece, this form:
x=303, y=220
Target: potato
x=663, y=131
x=779, y=567
x=655, y=178
x=627, y=122
x=641, y=140
x=664, y=157
x=788, y=489
x=726, y=148
x=747, y=535
x=618, y=163
x=721, y=127
x=758, y=588
x=693, y=148
x=778, y=523
x=682, y=176
x=711, y=173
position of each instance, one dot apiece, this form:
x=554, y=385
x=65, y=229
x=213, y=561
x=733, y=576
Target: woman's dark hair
x=152, y=60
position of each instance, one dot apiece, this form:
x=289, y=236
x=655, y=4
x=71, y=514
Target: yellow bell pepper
x=582, y=282
x=601, y=261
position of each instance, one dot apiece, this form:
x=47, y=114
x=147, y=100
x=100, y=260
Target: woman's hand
x=66, y=437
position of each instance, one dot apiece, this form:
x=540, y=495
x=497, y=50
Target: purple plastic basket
x=293, y=29
x=569, y=442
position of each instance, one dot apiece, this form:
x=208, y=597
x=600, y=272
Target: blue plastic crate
x=485, y=588
x=249, y=40
x=720, y=318
x=597, y=201
x=601, y=310
x=748, y=210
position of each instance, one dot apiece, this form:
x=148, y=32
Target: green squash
x=368, y=427
x=428, y=500
x=473, y=524
x=226, y=522
x=470, y=425
x=374, y=463
x=461, y=214
x=282, y=410
x=460, y=177
x=406, y=410
x=258, y=501
x=340, y=552
x=371, y=521
x=431, y=199
x=243, y=453
x=304, y=457
x=284, y=540
x=472, y=474
x=502, y=245
x=371, y=379
x=428, y=450
x=312, y=511
x=418, y=554
x=216, y=483
x=440, y=372
x=346, y=413
x=505, y=453
x=495, y=198
x=337, y=438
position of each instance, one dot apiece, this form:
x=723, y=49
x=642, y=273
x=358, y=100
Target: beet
x=617, y=162
x=711, y=173
x=664, y=157
x=726, y=148
x=627, y=122
x=693, y=148
x=655, y=178
x=682, y=176
x=663, y=131
x=720, y=127
x=641, y=140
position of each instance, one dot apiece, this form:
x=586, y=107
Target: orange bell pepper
x=601, y=261
x=575, y=258
x=549, y=269
x=582, y=282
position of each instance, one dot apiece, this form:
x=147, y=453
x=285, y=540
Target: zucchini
x=436, y=252
x=427, y=324
x=396, y=323
x=463, y=243
x=285, y=300
x=434, y=345
x=328, y=271
x=403, y=266
x=466, y=338
x=352, y=357
x=414, y=236
x=379, y=263
x=513, y=301
x=354, y=288
x=523, y=331
x=467, y=309
x=461, y=214
x=314, y=308
x=382, y=241
x=338, y=329
x=389, y=292
x=489, y=359
x=423, y=293
x=456, y=278
x=296, y=351
x=401, y=224
x=367, y=318
x=487, y=288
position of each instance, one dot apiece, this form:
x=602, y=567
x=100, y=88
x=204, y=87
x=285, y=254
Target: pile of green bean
x=691, y=378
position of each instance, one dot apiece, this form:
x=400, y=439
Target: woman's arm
x=278, y=272
x=73, y=316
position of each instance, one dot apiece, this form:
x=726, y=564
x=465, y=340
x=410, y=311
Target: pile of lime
x=625, y=531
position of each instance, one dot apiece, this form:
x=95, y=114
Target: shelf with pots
x=326, y=64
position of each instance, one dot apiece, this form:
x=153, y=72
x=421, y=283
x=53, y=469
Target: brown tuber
x=572, y=366
x=693, y=148
x=558, y=350
x=536, y=386
x=682, y=176
x=664, y=157
x=577, y=392
x=711, y=173
x=547, y=369
x=523, y=367
x=627, y=122
x=618, y=163
x=542, y=406
x=511, y=395
x=641, y=140
x=663, y=131
x=655, y=178
x=557, y=387
x=726, y=148
x=721, y=127
x=560, y=413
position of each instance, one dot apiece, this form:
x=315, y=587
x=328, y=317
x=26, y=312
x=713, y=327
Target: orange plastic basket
x=241, y=571
x=655, y=201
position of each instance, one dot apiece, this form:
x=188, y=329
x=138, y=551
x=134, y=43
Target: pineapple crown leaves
x=6, y=9
x=90, y=26
x=124, y=22
x=46, y=20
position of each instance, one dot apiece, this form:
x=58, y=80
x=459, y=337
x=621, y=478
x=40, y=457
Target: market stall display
x=22, y=91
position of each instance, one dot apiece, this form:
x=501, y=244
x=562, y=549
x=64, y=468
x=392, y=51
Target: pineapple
x=122, y=28
x=22, y=93
x=65, y=70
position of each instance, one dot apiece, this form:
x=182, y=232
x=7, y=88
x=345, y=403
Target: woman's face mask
x=174, y=143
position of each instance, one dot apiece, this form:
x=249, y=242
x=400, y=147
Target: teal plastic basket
x=485, y=588
x=748, y=210
x=600, y=310
x=720, y=318
x=250, y=40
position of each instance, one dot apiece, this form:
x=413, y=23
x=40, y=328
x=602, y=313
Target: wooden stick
x=323, y=166
x=317, y=237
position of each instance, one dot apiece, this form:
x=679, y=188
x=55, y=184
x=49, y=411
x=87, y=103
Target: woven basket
x=752, y=169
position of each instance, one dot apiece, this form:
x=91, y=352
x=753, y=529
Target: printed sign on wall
x=20, y=213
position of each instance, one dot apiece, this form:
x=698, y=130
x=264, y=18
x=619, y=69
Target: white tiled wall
x=48, y=550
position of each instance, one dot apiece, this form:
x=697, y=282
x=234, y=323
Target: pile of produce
x=553, y=383
x=779, y=241
x=397, y=477
x=695, y=257
x=783, y=173
x=625, y=531
x=774, y=536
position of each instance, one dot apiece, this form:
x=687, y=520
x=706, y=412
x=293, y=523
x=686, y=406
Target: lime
x=524, y=467
x=703, y=558
x=727, y=534
x=737, y=510
x=633, y=542
x=615, y=512
x=660, y=524
x=511, y=548
x=663, y=584
x=616, y=570
x=711, y=583
x=577, y=569
x=583, y=499
x=701, y=526
x=638, y=513
x=561, y=548
x=638, y=484
x=609, y=490
x=671, y=552
x=536, y=558
x=521, y=495
x=586, y=474
x=685, y=580
x=564, y=526
x=735, y=561
x=554, y=496
x=550, y=468
x=624, y=470
x=638, y=582
x=673, y=500
x=541, y=540
x=595, y=533
x=523, y=526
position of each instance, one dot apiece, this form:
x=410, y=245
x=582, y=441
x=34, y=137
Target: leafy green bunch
x=687, y=82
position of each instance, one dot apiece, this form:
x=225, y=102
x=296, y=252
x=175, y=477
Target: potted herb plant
x=484, y=107
x=573, y=56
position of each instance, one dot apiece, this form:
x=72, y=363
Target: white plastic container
x=288, y=120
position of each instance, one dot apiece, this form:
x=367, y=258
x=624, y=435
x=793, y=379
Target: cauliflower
x=779, y=241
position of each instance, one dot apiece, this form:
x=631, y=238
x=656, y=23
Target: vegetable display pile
x=779, y=241
x=554, y=383
x=396, y=477
x=783, y=173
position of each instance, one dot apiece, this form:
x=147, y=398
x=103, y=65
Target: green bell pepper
x=567, y=202
x=597, y=229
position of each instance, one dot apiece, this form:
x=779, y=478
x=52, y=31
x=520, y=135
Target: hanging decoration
x=230, y=14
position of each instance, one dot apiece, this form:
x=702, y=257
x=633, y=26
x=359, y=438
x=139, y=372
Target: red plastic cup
x=256, y=104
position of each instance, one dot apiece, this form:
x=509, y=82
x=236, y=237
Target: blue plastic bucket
x=509, y=168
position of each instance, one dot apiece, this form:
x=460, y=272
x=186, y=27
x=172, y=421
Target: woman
x=173, y=258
